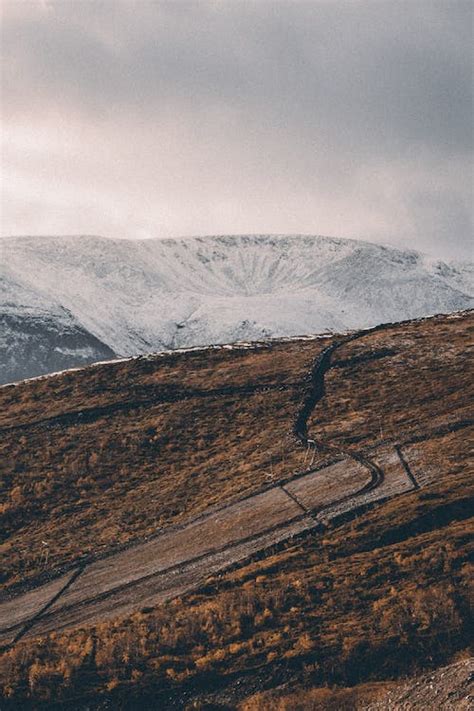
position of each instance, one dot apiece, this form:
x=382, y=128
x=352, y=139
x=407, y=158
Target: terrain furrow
x=162, y=395
x=315, y=393
x=42, y=611
x=406, y=466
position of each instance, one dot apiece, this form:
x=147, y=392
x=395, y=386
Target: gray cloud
x=155, y=118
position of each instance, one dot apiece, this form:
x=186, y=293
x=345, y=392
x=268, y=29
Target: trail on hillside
x=314, y=394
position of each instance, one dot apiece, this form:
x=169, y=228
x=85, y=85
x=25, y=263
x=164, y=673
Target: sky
x=156, y=119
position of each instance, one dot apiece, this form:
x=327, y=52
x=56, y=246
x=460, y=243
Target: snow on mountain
x=38, y=336
x=137, y=296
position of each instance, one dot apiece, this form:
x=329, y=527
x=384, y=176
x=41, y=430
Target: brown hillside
x=158, y=441
x=100, y=458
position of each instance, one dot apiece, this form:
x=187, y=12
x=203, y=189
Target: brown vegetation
x=124, y=475
x=120, y=476
x=371, y=599
x=343, y=609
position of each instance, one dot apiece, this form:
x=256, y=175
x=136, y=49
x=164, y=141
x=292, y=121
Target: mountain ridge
x=139, y=296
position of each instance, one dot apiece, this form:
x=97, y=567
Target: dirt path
x=315, y=392
x=182, y=557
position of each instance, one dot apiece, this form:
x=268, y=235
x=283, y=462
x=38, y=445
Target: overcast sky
x=151, y=119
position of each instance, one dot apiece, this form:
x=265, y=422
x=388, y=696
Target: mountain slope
x=149, y=295
x=39, y=336
x=124, y=481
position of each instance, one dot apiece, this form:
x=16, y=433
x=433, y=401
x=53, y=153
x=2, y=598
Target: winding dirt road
x=314, y=394
x=181, y=558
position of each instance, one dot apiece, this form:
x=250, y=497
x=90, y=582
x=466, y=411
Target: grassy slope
x=126, y=473
x=371, y=599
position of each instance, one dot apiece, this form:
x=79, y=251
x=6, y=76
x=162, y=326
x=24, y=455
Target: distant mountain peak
x=134, y=296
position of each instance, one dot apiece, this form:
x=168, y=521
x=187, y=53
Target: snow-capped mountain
x=37, y=335
x=128, y=297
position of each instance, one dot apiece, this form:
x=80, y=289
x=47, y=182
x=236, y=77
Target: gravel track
x=180, y=558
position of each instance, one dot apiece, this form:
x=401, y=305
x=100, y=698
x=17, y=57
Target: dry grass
x=366, y=601
x=316, y=699
x=122, y=475
x=345, y=609
x=85, y=488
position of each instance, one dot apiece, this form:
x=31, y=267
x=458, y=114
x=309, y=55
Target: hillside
x=209, y=526
x=140, y=296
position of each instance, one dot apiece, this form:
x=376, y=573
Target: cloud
x=158, y=118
